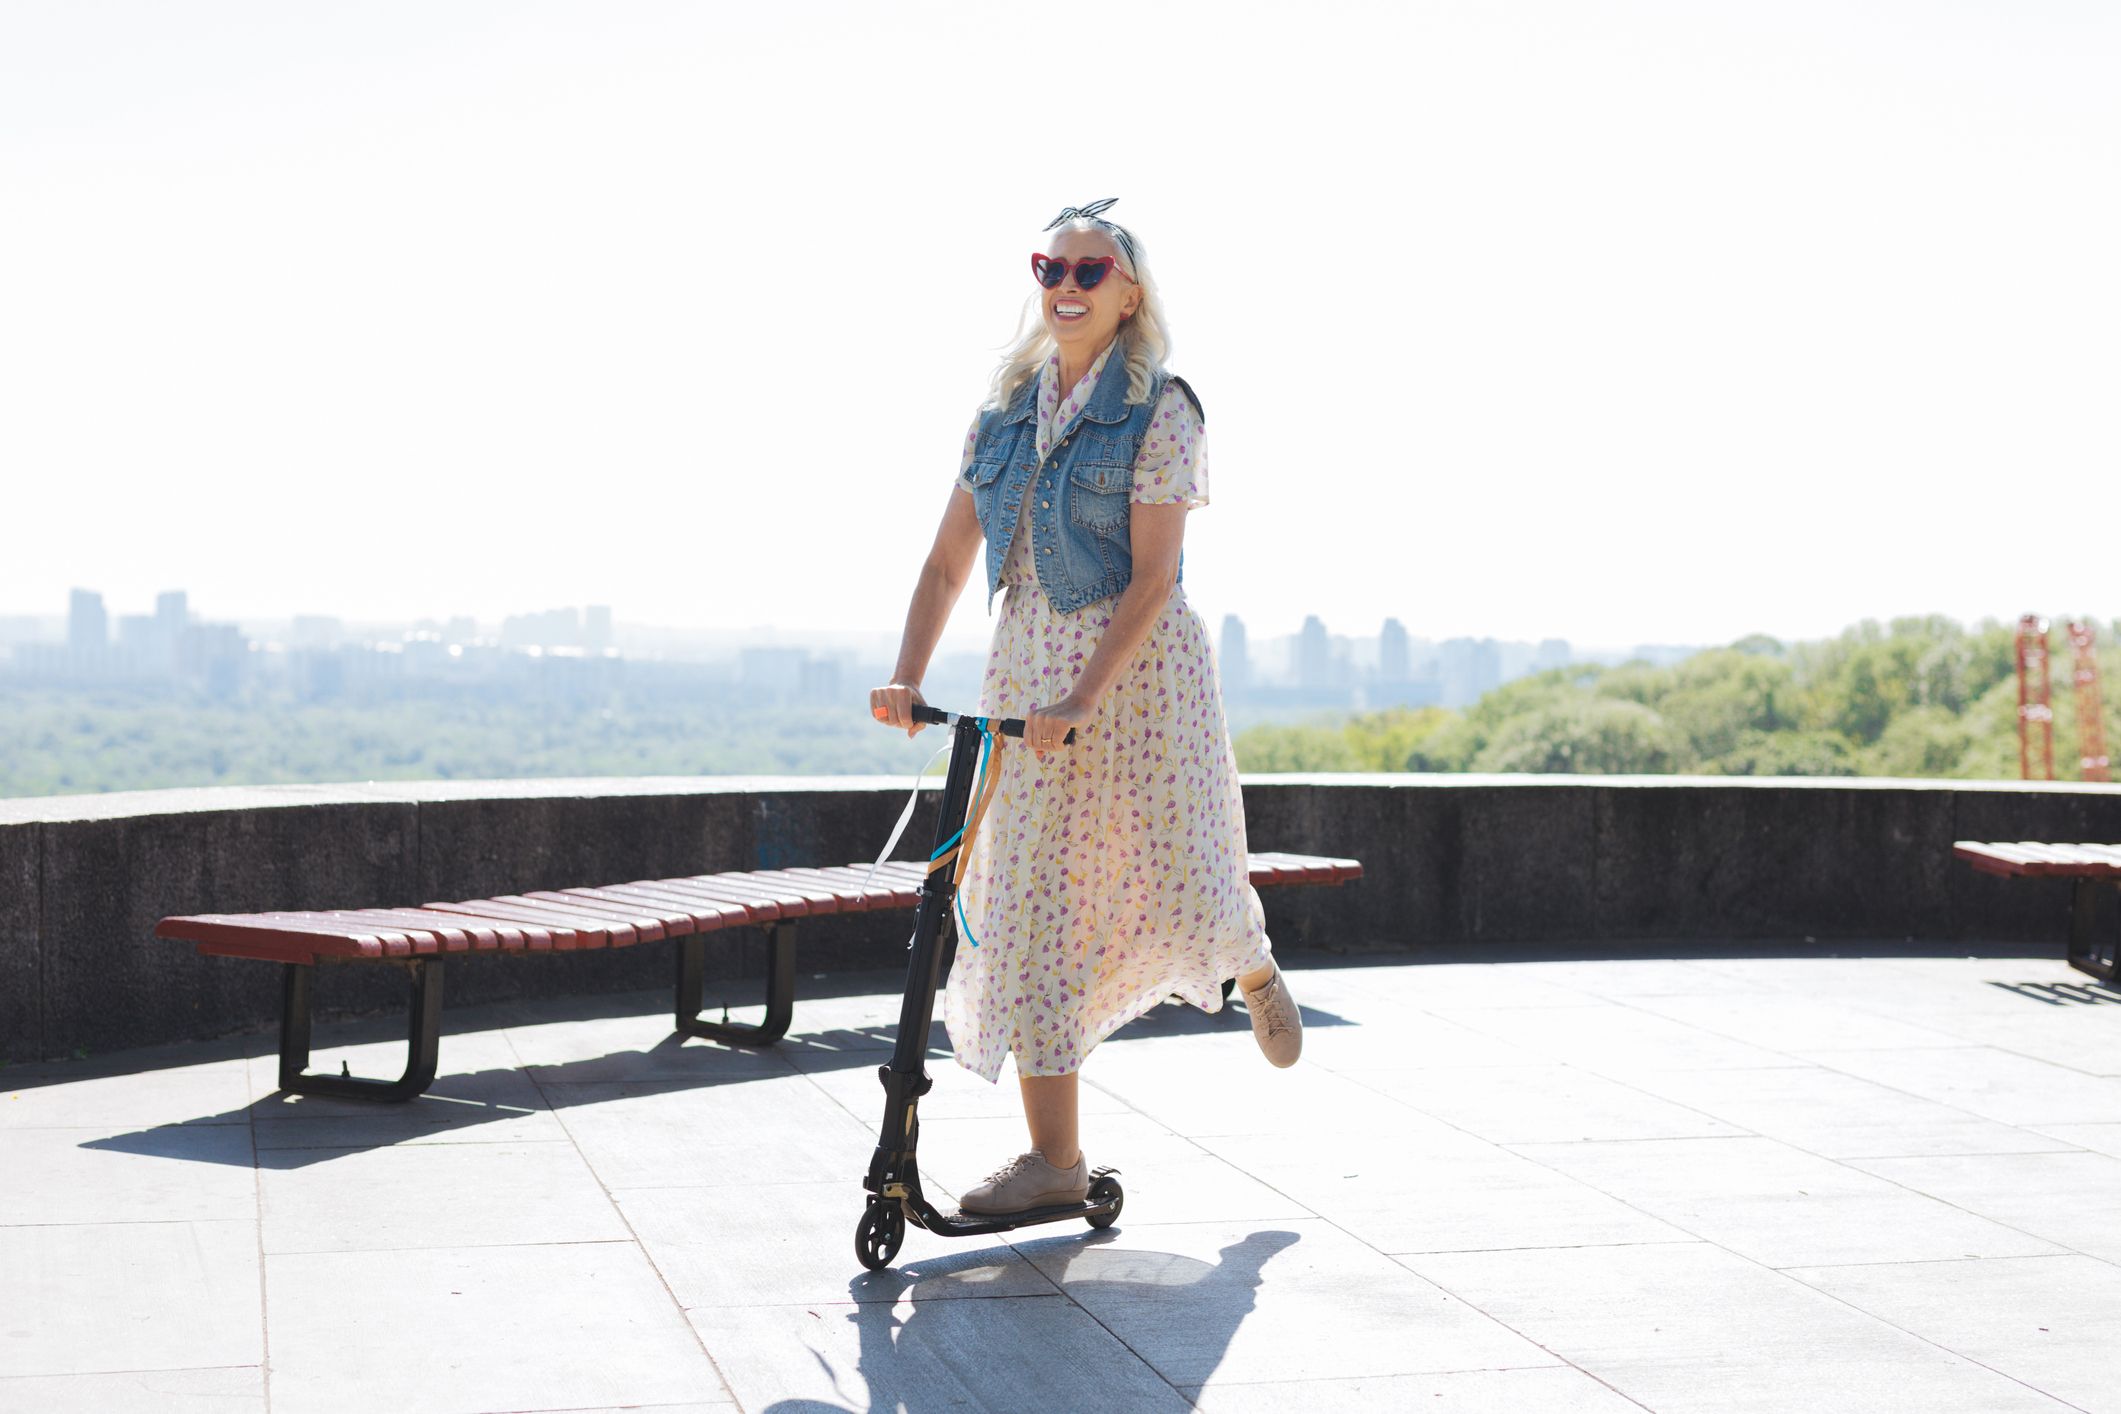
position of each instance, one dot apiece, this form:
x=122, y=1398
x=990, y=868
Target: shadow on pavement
x=926, y=1360
x=470, y=1098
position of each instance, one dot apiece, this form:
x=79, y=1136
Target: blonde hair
x=1144, y=339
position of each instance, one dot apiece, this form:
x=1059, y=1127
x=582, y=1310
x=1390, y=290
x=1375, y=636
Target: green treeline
x=1915, y=697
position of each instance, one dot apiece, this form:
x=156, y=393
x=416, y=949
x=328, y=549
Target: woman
x=1110, y=874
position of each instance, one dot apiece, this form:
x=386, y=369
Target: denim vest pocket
x=985, y=476
x=1099, y=495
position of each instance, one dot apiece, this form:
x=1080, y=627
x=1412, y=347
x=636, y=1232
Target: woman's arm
x=942, y=579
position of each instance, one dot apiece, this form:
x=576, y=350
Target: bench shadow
x=944, y=1350
x=295, y=1131
x=2094, y=993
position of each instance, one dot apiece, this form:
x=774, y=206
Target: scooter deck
x=963, y=1224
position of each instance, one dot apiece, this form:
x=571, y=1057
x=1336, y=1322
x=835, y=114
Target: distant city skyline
x=581, y=653
x=1619, y=323
x=87, y=621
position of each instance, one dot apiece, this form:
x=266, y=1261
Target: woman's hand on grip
x=892, y=704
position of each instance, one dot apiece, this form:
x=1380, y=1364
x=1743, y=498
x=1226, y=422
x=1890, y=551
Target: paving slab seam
x=1124, y=1343
x=2066, y=1256
x=515, y=1143
x=1556, y=1364
x=1798, y=1063
x=1559, y=1358
x=1398, y=1252
x=143, y=1370
x=1832, y=1069
x=1919, y=1193
x=1360, y=1241
x=2063, y=1146
x=257, y=1185
x=1703, y=1237
x=634, y=1237
x=1807, y=1286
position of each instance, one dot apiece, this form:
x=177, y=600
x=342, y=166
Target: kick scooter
x=894, y=1179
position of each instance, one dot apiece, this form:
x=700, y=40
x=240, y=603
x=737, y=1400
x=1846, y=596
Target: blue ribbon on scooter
x=959, y=845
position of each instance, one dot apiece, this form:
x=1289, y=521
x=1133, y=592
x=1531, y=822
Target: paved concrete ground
x=1873, y=1183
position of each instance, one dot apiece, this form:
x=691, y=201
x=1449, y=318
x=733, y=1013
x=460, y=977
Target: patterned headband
x=1094, y=212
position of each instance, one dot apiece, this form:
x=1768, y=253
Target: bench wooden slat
x=707, y=914
x=762, y=905
x=846, y=880
x=2078, y=858
x=509, y=934
x=456, y=934
x=674, y=921
x=561, y=935
x=429, y=938
x=2062, y=859
x=270, y=937
x=393, y=942
x=595, y=928
x=1280, y=870
x=784, y=902
x=2038, y=859
x=820, y=900
x=615, y=921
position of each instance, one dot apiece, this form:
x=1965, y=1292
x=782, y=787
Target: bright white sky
x=1621, y=321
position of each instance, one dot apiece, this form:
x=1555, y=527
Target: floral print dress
x=1113, y=874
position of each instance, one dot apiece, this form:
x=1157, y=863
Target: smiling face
x=1080, y=319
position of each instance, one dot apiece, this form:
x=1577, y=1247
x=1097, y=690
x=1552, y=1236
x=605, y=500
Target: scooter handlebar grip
x=1010, y=726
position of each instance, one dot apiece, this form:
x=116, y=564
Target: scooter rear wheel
x=877, y=1238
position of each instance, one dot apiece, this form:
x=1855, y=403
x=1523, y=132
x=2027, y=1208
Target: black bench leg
x=2095, y=929
x=780, y=991
x=423, y=1039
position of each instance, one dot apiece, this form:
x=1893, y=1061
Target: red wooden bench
x=2094, y=937
x=569, y=920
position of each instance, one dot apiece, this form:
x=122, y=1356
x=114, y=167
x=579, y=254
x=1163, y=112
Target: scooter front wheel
x=1106, y=1189
x=877, y=1238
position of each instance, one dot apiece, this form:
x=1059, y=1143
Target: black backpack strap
x=1198, y=410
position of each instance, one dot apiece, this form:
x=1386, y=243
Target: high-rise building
x=87, y=622
x=1236, y=665
x=1551, y=653
x=1392, y=652
x=1471, y=668
x=171, y=614
x=1314, y=655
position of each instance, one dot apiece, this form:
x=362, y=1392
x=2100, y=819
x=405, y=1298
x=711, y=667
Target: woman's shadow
x=1178, y=1313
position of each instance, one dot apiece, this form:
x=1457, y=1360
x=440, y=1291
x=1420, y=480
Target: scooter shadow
x=988, y=1353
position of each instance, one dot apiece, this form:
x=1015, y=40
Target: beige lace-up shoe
x=1028, y=1181
x=1276, y=1023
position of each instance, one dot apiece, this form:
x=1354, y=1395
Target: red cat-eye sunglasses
x=1090, y=271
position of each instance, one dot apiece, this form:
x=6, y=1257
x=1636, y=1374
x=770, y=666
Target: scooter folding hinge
x=896, y=1190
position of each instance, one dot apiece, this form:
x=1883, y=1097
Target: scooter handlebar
x=1010, y=726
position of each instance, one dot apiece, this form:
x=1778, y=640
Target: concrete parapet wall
x=1589, y=862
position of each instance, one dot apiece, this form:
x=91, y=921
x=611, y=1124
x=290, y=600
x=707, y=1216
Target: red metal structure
x=2091, y=724
x=2035, y=716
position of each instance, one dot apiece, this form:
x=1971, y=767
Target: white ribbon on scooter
x=907, y=814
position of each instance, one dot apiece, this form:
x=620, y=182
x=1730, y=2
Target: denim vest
x=1079, y=523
